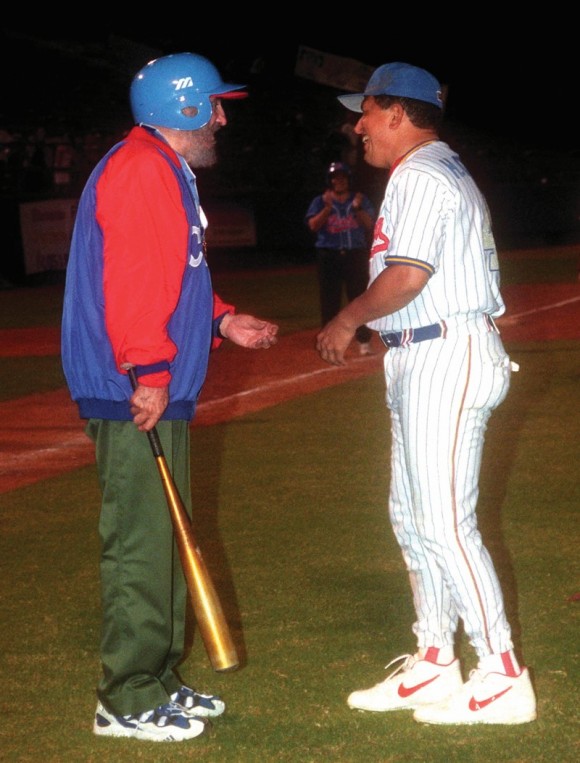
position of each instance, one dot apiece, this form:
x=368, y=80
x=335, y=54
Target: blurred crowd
x=277, y=164
x=42, y=164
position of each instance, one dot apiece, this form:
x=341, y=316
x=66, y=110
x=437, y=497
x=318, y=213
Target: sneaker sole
x=513, y=721
x=477, y=723
x=382, y=709
x=144, y=736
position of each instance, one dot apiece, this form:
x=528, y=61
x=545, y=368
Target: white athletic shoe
x=485, y=698
x=414, y=683
x=166, y=723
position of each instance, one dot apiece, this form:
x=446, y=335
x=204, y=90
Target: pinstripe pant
x=441, y=394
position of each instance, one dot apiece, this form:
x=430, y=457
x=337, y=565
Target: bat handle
x=156, y=446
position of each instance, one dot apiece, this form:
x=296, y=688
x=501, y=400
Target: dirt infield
x=42, y=436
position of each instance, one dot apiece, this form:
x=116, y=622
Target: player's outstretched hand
x=248, y=331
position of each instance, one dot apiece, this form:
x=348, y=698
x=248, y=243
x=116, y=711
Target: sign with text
x=335, y=71
x=46, y=229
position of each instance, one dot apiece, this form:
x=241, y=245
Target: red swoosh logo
x=405, y=691
x=479, y=704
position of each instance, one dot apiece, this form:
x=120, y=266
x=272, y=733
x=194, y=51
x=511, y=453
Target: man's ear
x=396, y=115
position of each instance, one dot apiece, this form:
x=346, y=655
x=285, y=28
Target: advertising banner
x=335, y=71
x=46, y=230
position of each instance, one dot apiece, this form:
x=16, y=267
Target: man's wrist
x=223, y=326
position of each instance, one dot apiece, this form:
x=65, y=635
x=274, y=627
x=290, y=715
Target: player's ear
x=396, y=115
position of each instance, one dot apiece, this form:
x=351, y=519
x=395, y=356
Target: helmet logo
x=183, y=82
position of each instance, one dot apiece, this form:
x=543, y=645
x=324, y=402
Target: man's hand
x=248, y=331
x=327, y=198
x=147, y=406
x=357, y=201
x=333, y=341
x=393, y=289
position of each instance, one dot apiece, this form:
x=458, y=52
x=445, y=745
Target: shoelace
x=407, y=662
x=476, y=676
x=185, y=693
x=169, y=710
x=189, y=698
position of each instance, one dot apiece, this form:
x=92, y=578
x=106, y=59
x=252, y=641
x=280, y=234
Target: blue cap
x=403, y=80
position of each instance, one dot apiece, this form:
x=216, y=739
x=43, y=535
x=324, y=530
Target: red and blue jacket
x=138, y=288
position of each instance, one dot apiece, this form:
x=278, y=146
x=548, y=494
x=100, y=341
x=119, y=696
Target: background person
x=139, y=294
x=343, y=222
x=433, y=296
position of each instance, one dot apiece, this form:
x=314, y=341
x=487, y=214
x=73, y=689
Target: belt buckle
x=391, y=339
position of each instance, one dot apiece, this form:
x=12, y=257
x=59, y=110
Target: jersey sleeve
x=417, y=236
x=220, y=308
x=141, y=215
x=314, y=208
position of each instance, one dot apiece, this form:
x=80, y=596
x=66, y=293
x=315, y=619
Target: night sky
x=500, y=81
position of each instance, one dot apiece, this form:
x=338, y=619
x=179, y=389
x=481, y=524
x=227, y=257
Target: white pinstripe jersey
x=434, y=217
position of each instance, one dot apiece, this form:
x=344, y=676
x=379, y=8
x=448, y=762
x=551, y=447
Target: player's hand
x=327, y=198
x=248, y=331
x=333, y=340
x=357, y=201
x=147, y=405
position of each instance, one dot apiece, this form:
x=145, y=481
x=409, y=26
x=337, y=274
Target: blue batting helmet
x=166, y=85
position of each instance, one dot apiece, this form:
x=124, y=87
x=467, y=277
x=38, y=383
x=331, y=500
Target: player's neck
x=415, y=145
x=410, y=147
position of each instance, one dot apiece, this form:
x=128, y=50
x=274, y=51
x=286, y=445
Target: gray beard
x=201, y=157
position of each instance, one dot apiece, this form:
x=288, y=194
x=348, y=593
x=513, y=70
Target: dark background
x=513, y=83
x=510, y=109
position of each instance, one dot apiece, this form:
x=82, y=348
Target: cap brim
x=352, y=101
x=232, y=91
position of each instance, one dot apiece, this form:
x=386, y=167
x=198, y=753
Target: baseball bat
x=208, y=611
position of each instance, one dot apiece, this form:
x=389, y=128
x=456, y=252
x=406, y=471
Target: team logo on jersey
x=380, y=241
x=455, y=166
x=195, y=262
x=197, y=234
x=338, y=224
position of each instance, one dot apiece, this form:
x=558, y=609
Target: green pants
x=144, y=595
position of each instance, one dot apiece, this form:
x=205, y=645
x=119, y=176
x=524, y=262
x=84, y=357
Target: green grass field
x=292, y=521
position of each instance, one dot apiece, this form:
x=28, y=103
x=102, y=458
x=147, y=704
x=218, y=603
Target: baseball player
x=342, y=221
x=432, y=297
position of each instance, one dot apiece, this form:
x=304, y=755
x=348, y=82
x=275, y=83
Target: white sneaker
x=166, y=723
x=414, y=683
x=485, y=698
